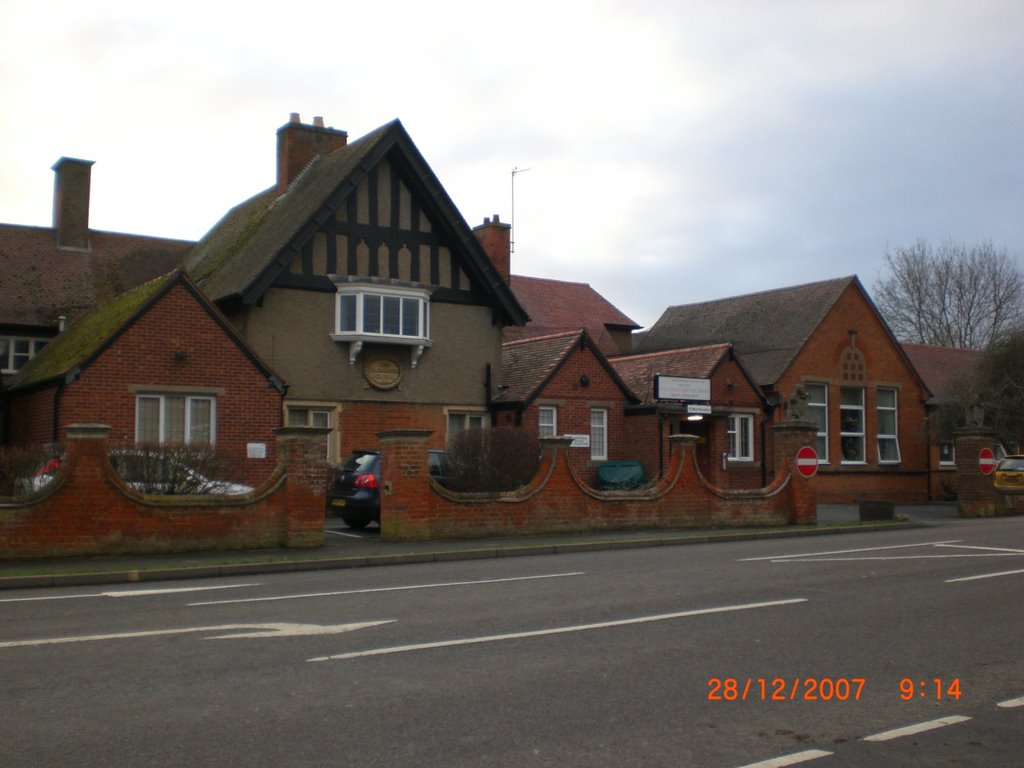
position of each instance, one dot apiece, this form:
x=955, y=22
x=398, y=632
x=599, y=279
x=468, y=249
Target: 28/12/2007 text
x=782, y=689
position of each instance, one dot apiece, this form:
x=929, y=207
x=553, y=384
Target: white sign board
x=256, y=450
x=695, y=408
x=579, y=441
x=681, y=388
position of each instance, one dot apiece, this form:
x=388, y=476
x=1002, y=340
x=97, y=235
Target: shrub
x=170, y=469
x=491, y=460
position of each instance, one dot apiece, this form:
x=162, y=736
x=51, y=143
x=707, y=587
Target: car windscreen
x=1011, y=464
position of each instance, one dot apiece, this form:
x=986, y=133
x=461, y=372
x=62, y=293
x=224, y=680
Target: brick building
x=357, y=279
x=718, y=402
x=51, y=275
x=158, y=363
x=943, y=369
x=562, y=384
x=826, y=340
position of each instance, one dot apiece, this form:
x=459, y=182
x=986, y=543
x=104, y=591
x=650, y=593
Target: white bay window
x=382, y=313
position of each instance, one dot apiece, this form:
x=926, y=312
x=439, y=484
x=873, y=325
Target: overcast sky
x=678, y=151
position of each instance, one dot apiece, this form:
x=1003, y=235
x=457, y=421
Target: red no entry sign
x=986, y=461
x=807, y=461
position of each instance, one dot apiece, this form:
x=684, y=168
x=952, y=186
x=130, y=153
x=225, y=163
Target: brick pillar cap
x=556, y=441
x=683, y=438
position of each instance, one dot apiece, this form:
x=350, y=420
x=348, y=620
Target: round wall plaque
x=382, y=373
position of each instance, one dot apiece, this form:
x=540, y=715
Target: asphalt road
x=717, y=656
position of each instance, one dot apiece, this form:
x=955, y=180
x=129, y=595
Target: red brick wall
x=819, y=361
x=359, y=423
x=248, y=408
x=558, y=501
x=87, y=510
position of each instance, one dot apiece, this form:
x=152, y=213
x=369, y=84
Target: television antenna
x=512, y=218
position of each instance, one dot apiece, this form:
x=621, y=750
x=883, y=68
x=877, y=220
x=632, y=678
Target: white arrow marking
x=261, y=630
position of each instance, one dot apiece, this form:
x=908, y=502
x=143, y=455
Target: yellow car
x=1010, y=474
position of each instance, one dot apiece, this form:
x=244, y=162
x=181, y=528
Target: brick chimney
x=71, y=202
x=495, y=238
x=298, y=144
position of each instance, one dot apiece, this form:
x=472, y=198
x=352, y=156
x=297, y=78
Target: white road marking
x=388, y=589
x=849, y=551
x=794, y=759
x=895, y=557
x=910, y=730
x=259, y=630
x=1011, y=703
x=984, y=576
x=991, y=549
x=556, y=630
x=346, y=534
x=128, y=593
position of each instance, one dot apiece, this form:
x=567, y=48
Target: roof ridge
x=837, y=280
x=674, y=351
x=546, y=337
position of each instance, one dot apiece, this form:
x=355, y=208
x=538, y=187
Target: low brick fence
x=88, y=510
x=977, y=496
x=415, y=508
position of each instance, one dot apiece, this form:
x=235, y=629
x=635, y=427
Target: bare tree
x=955, y=295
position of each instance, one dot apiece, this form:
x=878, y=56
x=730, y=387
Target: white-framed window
x=384, y=314
x=741, y=437
x=15, y=351
x=851, y=424
x=947, y=453
x=311, y=415
x=459, y=421
x=598, y=434
x=886, y=416
x=547, y=421
x=817, y=411
x=175, y=418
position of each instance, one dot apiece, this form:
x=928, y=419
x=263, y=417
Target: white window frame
x=162, y=425
x=547, y=420
x=598, y=434
x=950, y=462
x=741, y=437
x=891, y=437
x=8, y=347
x=353, y=326
x=469, y=418
x=329, y=411
x=822, y=407
x=849, y=434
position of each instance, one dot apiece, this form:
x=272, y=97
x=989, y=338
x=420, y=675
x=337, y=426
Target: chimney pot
x=318, y=122
x=294, y=118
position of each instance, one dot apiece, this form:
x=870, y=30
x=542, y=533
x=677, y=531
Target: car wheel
x=356, y=524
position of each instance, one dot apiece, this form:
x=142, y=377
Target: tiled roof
x=94, y=331
x=528, y=364
x=39, y=281
x=638, y=371
x=766, y=329
x=555, y=305
x=942, y=367
x=245, y=251
x=89, y=333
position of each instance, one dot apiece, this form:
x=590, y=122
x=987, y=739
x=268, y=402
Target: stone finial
x=797, y=408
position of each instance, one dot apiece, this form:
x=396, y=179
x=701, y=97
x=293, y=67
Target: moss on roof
x=87, y=335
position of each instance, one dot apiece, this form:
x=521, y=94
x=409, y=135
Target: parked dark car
x=354, y=493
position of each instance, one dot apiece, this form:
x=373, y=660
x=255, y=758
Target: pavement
x=345, y=548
